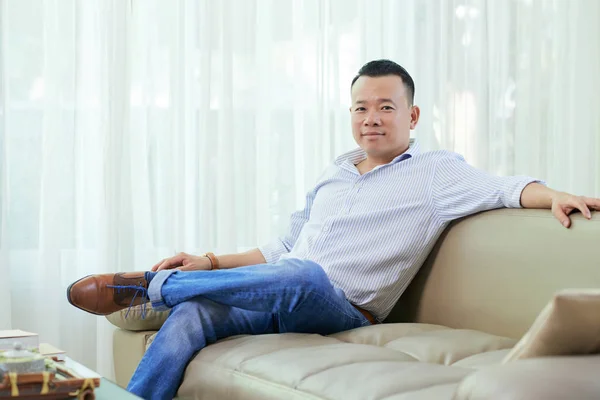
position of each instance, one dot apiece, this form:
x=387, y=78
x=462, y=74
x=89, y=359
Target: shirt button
x=325, y=228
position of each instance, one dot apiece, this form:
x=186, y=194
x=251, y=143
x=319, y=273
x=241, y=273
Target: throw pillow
x=133, y=321
x=568, y=325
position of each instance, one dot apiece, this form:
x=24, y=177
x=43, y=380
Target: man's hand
x=564, y=204
x=183, y=262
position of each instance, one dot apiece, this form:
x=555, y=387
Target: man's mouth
x=372, y=134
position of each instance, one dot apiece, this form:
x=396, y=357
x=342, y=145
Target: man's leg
x=210, y=305
x=191, y=326
x=297, y=293
x=291, y=287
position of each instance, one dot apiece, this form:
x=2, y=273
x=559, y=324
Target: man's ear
x=415, y=113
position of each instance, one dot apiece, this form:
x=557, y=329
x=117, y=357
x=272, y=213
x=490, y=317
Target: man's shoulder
x=437, y=156
x=331, y=171
x=434, y=157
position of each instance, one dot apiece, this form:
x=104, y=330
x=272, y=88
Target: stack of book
x=47, y=350
x=29, y=341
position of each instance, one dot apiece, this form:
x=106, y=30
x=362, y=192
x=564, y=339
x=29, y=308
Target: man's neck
x=369, y=163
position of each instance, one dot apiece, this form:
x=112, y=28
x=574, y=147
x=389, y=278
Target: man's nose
x=372, y=118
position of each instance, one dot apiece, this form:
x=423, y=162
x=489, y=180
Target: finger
x=561, y=216
x=592, y=203
x=581, y=206
x=155, y=266
x=187, y=267
x=164, y=265
x=169, y=263
x=567, y=209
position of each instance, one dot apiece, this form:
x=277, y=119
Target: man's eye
x=359, y=109
x=387, y=108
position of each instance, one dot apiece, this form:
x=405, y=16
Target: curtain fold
x=131, y=130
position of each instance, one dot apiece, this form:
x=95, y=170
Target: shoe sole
x=75, y=305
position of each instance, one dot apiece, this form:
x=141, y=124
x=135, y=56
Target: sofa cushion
x=426, y=342
x=482, y=359
x=568, y=325
x=549, y=378
x=380, y=361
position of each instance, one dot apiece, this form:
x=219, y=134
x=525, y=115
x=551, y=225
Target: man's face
x=382, y=116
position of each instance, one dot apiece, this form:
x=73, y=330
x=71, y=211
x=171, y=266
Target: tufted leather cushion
x=547, y=378
x=368, y=362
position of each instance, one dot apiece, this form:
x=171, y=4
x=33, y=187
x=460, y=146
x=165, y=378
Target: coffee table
x=108, y=390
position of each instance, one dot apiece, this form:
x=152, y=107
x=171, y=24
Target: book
x=79, y=369
x=47, y=350
x=8, y=338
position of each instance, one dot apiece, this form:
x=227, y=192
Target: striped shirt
x=371, y=233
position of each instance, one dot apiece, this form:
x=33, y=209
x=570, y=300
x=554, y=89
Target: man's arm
x=189, y=262
x=562, y=204
x=251, y=257
x=458, y=190
x=284, y=244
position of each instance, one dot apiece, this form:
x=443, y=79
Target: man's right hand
x=183, y=262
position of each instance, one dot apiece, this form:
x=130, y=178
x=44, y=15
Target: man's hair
x=386, y=67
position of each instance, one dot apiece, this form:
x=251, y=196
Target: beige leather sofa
x=478, y=292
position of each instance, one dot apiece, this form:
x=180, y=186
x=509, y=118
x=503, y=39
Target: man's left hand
x=564, y=204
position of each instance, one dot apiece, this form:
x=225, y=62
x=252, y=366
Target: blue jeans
x=289, y=296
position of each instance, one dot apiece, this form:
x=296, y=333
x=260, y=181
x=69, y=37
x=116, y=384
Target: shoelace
x=137, y=289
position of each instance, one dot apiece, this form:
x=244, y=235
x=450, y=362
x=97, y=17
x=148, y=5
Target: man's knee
x=198, y=307
x=307, y=274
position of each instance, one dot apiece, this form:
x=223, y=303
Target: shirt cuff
x=515, y=187
x=272, y=251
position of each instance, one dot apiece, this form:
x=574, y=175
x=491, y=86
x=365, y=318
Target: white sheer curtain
x=130, y=130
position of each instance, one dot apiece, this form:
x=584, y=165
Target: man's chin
x=375, y=149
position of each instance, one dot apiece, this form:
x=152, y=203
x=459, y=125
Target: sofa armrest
x=128, y=349
x=130, y=341
x=549, y=378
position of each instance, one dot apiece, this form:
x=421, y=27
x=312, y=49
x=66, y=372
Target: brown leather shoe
x=106, y=293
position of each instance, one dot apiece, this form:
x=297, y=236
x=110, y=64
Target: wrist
x=536, y=195
x=212, y=259
x=553, y=195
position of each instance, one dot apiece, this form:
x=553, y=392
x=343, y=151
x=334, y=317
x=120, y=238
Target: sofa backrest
x=495, y=271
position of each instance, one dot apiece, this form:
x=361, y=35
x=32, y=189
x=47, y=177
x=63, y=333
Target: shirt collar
x=353, y=157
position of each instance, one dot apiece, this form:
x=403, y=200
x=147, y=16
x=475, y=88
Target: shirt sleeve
x=284, y=244
x=459, y=189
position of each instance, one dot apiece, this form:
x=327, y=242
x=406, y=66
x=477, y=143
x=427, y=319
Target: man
x=368, y=225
